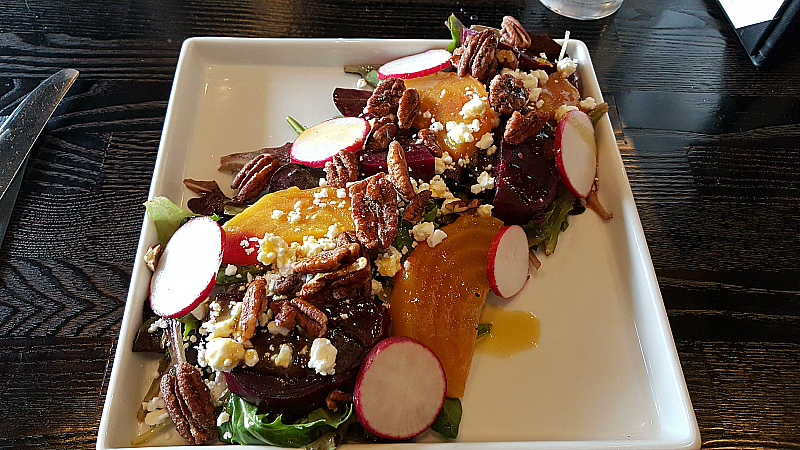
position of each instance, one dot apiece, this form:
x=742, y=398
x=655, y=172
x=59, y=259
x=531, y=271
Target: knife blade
x=19, y=132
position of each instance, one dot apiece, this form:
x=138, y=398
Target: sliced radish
x=414, y=66
x=400, y=388
x=317, y=145
x=507, y=264
x=576, y=152
x=187, y=268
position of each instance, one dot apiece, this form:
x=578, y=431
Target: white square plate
x=605, y=373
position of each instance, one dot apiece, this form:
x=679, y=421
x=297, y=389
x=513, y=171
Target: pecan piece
x=341, y=169
x=151, y=257
x=285, y=313
x=479, y=57
x=397, y=167
x=507, y=93
x=383, y=132
x=327, y=260
x=310, y=318
x=352, y=275
x=373, y=203
x=254, y=176
x=427, y=138
x=407, y=108
x=336, y=399
x=524, y=124
x=506, y=58
x=416, y=208
x=514, y=34
x=461, y=206
x=252, y=304
x=386, y=97
x=287, y=285
x=189, y=404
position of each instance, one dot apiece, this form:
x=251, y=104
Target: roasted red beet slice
x=292, y=174
x=525, y=180
x=354, y=327
x=351, y=102
x=419, y=159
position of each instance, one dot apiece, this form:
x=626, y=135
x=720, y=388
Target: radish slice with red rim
x=576, y=152
x=415, y=66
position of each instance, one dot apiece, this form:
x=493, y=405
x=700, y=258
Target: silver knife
x=20, y=131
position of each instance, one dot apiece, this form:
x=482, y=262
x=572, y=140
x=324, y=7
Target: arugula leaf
x=483, y=329
x=404, y=237
x=367, y=72
x=190, y=324
x=167, y=217
x=245, y=426
x=555, y=221
x=255, y=269
x=455, y=27
x=449, y=419
x=597, y=113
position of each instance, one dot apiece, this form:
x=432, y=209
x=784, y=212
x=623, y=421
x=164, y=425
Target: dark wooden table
x=711, y=147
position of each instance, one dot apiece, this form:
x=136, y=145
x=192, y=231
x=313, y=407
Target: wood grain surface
x=711, y=146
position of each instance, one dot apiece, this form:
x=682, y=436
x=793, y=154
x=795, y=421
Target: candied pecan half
x=287, y=285
x=427, y=138
x=373, y=202
x=461, y=206
x=152, y=255
x=386, y=97
x=254, y=176
x=327, y=260
x=479, y=57
x=341, y=169
x=506, y=58
x=507, y=93
x=346, y=237
x=336, y=399
x=252, y=304
x=310, y=318
x=383, y=132
x=189, y=404
x=397, y=167
x=416, y=208
x=407, y=108
x=285, y=313
x=524, y=124
x=514, y=34
x=351, y=275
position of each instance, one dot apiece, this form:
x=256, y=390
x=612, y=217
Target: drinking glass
x=583, y=9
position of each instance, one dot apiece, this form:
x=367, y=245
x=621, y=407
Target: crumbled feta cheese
x=224, y=417
x=250, y=357
x=422, y=231
x=541, y=75
x=361, y=84
x=341, y=193
x=377, y=287
x=284, y=356
x=485, y=181
x=388, y=262
x=540, y=103
x=566, y=67
x=222, y=328
x=436, y=126
x=230, y=270
x=427, y=114
x=485, y=141
x=491, y=150
x=587, y=104
x=156, y=417
x=322, y=357
x=312, y=246
x=273, y=249
x=475, y=107
x=534, y=95
x=436, y=238
x=333, y=231
x=158, y=323
x=223, y=354
x=484, y=210
x=277, y=214
x=563, y=110
x=274, y=328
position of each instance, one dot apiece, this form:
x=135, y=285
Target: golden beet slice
x=556, y=92
x=443, y=97
x=291, y=214
x=438, y=295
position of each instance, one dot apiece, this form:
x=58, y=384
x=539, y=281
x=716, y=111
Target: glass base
x=583, y=9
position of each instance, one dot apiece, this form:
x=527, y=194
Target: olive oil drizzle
x=512, y=331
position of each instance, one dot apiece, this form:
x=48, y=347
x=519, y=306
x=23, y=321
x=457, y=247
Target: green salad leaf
x=404, y=237
x=245, y=426
x=191, y=324
x=455, y=27
x=241, y=274
x=449, y=419
x=367, y=72
x=555, y=221
x=167, y=217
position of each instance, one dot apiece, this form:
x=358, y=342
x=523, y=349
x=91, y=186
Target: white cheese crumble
x=529, y=80
x=484, y=210
x=322, y=357
x=563, y=110
x=436, y=238
x=230, y=270
x=275, y=250
x=475, y=107
x=223, y=418
x=485, y=181
x=485, y=141
x=436, y=126
x=223, y=354
x=277, y=214
x=250, y=357
x=377, y=287
x=274, y=328
x=459, y=133
x=361, y=84
x=566, y=67
x=388, y=262
x=422, y=231
x=284, y=356
x=587, y=104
